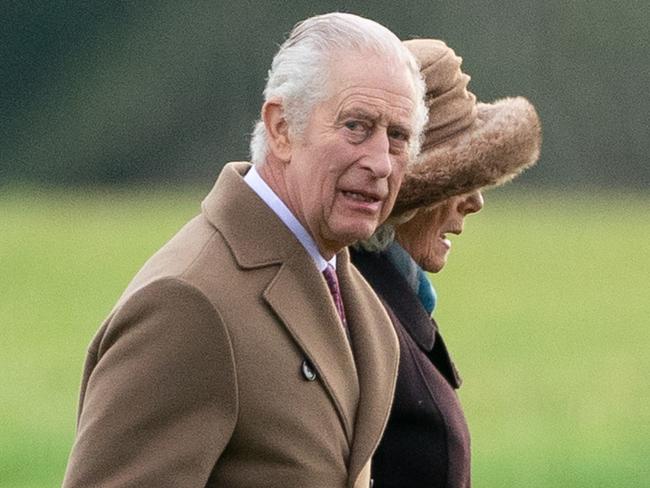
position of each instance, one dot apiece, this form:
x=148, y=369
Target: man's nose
x=378, y=158
x=471, y=203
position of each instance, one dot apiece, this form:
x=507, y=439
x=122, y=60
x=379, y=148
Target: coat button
x=372, y=483
x=308, y=371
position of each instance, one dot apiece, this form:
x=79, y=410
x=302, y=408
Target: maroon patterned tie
x=333, y=285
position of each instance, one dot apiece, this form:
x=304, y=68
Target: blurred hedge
x=111, y=92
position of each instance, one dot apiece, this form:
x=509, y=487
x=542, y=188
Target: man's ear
x=277, y=130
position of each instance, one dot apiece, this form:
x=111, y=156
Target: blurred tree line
x=107, y=92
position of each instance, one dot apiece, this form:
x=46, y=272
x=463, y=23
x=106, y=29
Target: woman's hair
x=300, y=72
x=385, y=233
x=380, y=240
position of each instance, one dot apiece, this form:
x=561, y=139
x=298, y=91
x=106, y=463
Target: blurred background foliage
x=108, y=92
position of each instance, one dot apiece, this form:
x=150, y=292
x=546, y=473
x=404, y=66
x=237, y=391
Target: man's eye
x=398, y=135
x=399, y=140
x=354, y=125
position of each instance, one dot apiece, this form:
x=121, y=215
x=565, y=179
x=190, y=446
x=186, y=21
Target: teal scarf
x=414, y=275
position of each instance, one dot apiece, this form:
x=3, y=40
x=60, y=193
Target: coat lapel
x=377, y=356
x=297, y=294
x=393, y=289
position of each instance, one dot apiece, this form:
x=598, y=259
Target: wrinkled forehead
x=379, y=75
x=384, y=70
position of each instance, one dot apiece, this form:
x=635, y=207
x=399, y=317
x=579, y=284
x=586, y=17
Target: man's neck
x=270, y=191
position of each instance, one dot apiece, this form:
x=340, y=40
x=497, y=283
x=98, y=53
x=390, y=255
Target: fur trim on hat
x=504, y=140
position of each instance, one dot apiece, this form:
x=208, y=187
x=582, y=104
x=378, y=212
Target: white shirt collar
x=264, y=191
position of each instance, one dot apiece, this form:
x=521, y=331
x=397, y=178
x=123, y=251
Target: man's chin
x=351, y=234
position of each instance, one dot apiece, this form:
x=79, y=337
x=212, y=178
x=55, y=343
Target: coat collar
x=361, y=390
x=255, y=235
x=391, y=286
x=394, y=291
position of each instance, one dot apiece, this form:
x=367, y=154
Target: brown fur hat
x=466, y=145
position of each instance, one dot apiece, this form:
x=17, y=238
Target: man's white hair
x=299, y=73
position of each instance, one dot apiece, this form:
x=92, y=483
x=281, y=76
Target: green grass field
x=544, y=305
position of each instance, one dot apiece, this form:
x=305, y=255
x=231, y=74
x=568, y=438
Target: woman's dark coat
x=426, y=442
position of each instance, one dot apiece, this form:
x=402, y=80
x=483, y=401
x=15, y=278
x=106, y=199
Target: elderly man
x=248, y=352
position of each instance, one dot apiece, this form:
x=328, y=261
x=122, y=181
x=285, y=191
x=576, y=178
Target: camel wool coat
x=224, y=363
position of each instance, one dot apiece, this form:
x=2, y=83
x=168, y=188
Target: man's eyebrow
x=366, y=114
x=358, y=112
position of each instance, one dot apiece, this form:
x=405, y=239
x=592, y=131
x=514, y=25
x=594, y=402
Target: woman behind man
x=467, y=146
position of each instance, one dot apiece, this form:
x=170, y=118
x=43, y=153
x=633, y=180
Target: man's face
x=347, y=165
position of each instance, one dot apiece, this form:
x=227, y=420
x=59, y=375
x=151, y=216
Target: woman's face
x=425, y=236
